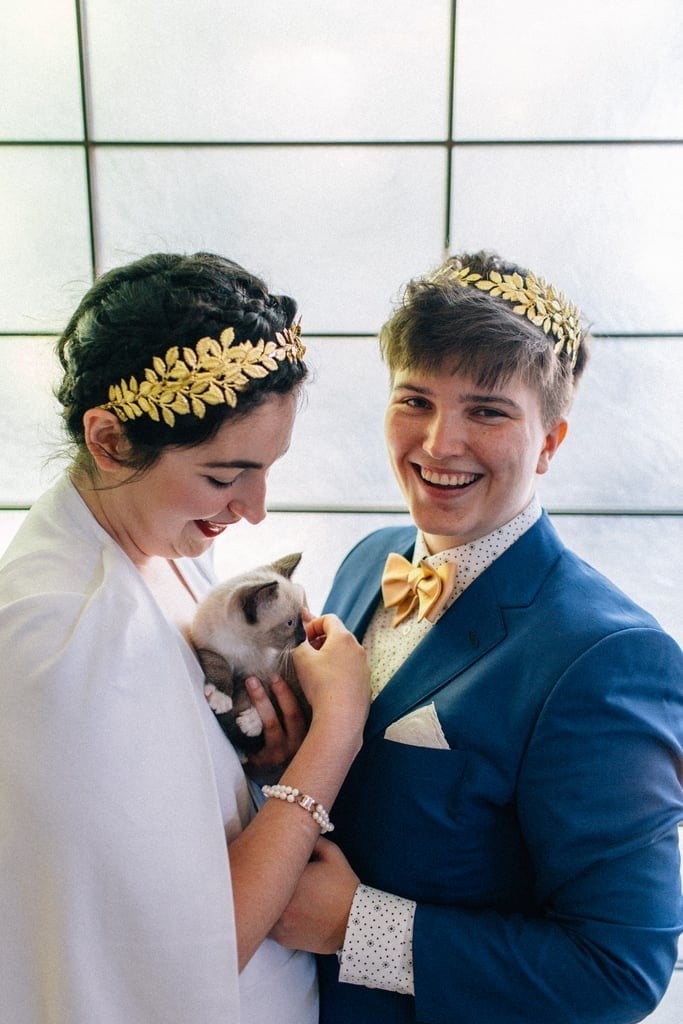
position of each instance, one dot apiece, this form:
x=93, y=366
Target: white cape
x=115, y=894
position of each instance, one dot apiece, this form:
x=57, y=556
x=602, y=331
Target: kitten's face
x=261, y=609
x=274, y=612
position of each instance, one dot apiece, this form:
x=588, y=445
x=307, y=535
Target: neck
x=103, y=499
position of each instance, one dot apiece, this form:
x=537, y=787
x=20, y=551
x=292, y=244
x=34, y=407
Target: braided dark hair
x=138, y=311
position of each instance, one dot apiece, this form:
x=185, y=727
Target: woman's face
x=190, y=495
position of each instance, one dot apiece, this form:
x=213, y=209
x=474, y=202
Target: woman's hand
x=333, y=670
x=283, y=732
x=316, y=917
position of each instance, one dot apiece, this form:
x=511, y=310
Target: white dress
x=116, y=784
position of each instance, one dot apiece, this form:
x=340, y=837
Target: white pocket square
x=421, y=728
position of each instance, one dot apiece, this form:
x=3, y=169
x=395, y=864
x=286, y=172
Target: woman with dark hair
x=511, y=820
x=137, y=882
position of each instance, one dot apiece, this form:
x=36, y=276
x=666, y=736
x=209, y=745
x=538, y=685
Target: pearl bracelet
x=295, y=796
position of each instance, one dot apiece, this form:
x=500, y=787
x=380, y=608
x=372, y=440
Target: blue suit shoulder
x=360, y=573
x=537, y=571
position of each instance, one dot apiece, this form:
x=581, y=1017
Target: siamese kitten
x=247, y=626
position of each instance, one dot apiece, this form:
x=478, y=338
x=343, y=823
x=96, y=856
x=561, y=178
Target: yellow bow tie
x=405, y=585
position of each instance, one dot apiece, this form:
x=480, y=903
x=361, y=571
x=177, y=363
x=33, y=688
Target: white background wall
x=339, y=147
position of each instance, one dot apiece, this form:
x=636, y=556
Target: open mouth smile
x=210, y=529
x=447, y=481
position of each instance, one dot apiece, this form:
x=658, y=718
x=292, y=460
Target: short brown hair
x=440, y=322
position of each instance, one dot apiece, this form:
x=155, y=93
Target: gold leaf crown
x=186, y=380
x=534, y=298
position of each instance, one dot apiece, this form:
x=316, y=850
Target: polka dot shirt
x=378, y=944
x=387, y=647
x=378, y=947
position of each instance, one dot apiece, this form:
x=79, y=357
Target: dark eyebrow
x=488, y=399
x=233, y=464
x=407, y=386
x=470, y=396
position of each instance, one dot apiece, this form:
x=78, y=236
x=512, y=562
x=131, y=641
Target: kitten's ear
x=287, y=564
x=253, y=598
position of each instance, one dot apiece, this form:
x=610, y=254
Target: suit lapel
x=470, y=628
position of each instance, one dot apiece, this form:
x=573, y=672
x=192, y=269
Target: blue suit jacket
x=542, y=847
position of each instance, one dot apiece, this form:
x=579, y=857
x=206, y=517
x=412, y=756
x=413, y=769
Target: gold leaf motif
x=211, y=373
x=212, y=393
x=198, y=407
x=540, y=302
x=180, y=405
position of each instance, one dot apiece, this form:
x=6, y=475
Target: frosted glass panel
x=10, y=521
x=323, y=538
x=587, y=70
x=29, y=418
x=624, y=448
x=338, y=458
x=45, y=254
x=337, y=228
x=643, y=556
x=258, y=70
x=601, y=222
x=39, y=73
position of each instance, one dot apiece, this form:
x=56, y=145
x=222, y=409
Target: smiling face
x=466, y=457
x=190, y=495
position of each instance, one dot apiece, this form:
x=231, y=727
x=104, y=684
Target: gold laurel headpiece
x=533, y=297
x=212, y=373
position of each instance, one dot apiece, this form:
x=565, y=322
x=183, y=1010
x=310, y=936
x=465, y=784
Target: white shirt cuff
x=378, y=944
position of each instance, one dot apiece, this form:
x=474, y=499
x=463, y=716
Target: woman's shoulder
x=59, y=548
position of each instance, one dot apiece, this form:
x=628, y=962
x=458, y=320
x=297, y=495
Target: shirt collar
x=477, y=555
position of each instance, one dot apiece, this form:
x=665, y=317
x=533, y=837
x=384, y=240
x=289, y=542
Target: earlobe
x=104, y=438
x=553, y=440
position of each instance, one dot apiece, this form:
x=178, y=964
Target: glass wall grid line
x=449, y=142
x=391, y=510
x=80, y=29
x=598, y=335
x=446, y=143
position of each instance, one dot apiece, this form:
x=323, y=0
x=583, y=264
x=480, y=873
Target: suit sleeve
x=598, y=799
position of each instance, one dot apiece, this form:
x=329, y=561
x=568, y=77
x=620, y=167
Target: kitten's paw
x=249, y=722
x=217, y=700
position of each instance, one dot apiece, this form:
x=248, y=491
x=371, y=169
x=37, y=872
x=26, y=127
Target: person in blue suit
x=511, y=821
